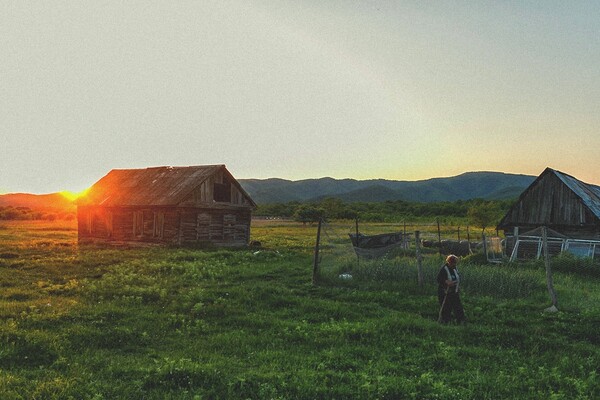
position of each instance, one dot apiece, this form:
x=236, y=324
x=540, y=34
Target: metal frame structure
x=574, y=246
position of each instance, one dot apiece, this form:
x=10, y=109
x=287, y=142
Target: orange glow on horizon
x=72, y=196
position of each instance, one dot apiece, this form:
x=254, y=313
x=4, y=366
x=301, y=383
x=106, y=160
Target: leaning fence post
x=515, y=236
x=316, y=257
x=549, y=281
x=419, y=258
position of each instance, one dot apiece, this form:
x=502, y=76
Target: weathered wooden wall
x=204, y=194
x=215, y=210
x=224, y=227
x=551, y=203
x=162, y=225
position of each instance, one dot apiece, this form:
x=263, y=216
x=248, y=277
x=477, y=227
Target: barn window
x=222, y=192
x=138, y=223
x=159, y=225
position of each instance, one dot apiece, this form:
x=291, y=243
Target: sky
x=403, y=90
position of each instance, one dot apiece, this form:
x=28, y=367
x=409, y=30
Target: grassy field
x=152, y=323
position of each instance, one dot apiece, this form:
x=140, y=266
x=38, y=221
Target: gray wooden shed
x=166, y=205
x=558, y=201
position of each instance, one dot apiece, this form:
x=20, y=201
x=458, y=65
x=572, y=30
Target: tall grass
x=94, y=323
x=507, y=281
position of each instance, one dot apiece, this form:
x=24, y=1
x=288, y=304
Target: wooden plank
x=203, y=227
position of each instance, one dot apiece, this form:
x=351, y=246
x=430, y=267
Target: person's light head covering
x=451, y=260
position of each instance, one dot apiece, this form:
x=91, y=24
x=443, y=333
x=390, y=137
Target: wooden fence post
x=516, y=237
x=484, y=242
x=549, y=280
x=469, y=240
x=419, y=258
x=357, y=242
x=439, y=235
x=316, y=257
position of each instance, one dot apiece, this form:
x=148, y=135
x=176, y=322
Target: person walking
x=448, y=292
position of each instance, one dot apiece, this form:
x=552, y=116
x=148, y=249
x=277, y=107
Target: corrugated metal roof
x=589, y=194
x=158, y=186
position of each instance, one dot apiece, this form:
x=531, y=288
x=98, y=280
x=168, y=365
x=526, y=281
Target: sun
x=72, y=196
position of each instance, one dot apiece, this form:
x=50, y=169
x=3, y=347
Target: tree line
x=8, y=213
x=480, y=212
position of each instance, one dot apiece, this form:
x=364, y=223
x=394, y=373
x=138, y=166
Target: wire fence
x=409, y=256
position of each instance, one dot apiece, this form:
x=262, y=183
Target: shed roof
x=156, y=186
x=589, y=194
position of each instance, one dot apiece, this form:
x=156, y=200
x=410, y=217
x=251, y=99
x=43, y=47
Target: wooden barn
x=166, y=205
x=558, y=201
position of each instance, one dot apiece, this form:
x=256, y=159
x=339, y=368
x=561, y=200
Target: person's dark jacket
x=442, y=276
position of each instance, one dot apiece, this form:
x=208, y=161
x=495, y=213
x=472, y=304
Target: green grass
x=92, y=323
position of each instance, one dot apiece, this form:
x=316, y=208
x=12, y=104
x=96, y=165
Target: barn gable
x=171, y=205
x=559, y=201
x=165, y=186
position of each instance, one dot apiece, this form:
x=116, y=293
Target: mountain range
x=470, y=185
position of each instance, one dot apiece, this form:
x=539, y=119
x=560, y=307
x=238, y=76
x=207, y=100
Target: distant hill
x=37, y=201
x=369, y=194
x=470, y=185
x=485, y=185
x=505, y=194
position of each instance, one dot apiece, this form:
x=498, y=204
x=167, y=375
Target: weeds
x=94, y=323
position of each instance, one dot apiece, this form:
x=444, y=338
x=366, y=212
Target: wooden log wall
x=216, y=227
x=180, y=226
x=83, y=222
x=203, y=227
x=229, y=227
x=550, y=202
x=187, y=227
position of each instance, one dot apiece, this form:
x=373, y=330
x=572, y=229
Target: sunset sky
x=403, y=90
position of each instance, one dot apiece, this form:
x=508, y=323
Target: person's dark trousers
x=450, y=305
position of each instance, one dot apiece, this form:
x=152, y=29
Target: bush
x=568, y=262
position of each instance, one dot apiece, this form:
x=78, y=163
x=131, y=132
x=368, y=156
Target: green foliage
x=569, y=263
x=392, y=211
x=25, y=213
x=484, y=214
x=156, y=323
x=308, y=213
x=400, y=273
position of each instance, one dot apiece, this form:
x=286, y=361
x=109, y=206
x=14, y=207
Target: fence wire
x=487, y=267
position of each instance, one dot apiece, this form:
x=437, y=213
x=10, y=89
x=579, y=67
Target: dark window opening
x=222, y=192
